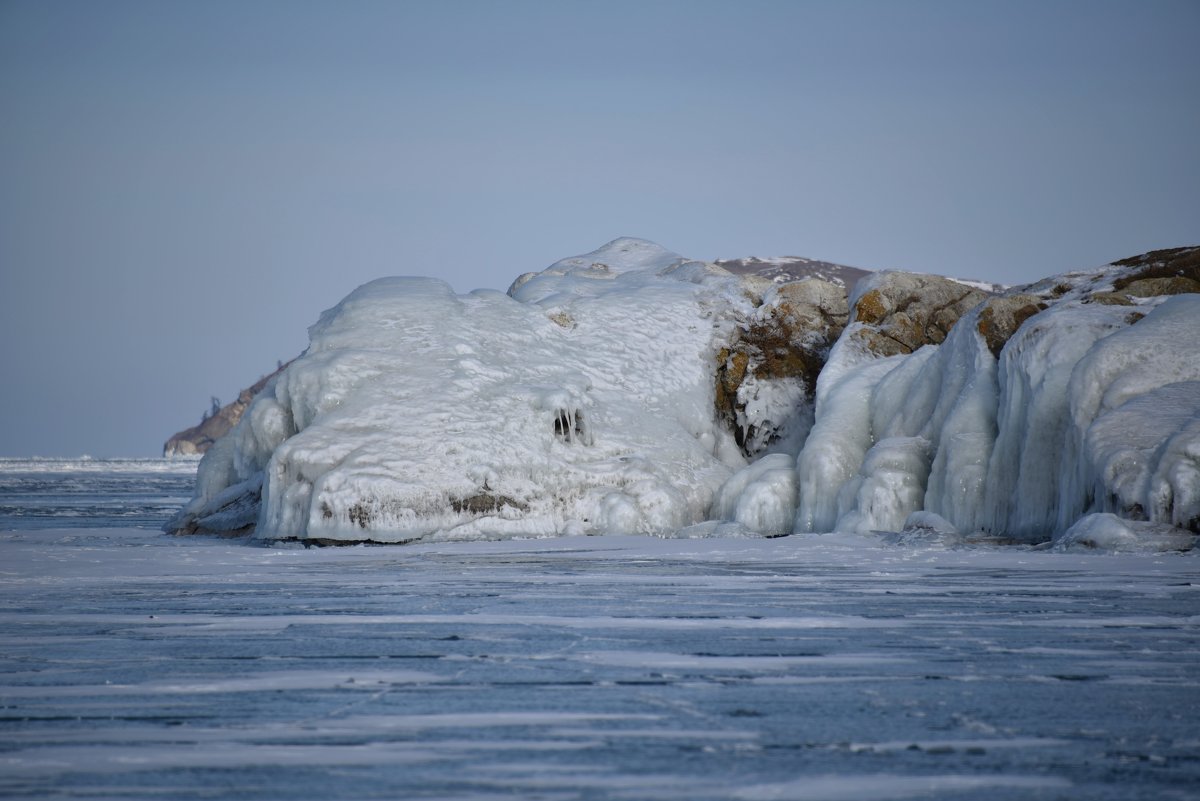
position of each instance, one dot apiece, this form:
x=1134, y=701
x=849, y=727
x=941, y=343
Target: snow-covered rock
x=1104, y=531
x=1090, y=406
x=898, y=312
x=767, y=375
x=1146, y=370
x=582, y=403
x=631, y=390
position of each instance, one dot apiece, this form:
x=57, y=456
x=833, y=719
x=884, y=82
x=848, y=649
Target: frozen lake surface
x=140, y=665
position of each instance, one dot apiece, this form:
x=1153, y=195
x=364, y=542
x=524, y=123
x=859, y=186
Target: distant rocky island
x=633, y=390
x=217, y=422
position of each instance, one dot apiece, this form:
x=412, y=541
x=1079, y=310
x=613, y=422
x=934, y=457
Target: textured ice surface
x=1089, y=408
x=583, y=402
x=133, y=664
x=1137, y=362
x=85, y=492
x=761, y=496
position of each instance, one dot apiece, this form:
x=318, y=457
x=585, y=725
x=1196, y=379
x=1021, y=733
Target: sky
x=185, y=186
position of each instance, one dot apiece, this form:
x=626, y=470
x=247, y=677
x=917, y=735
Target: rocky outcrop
x=1155, y=274
x=1170, y=263
x=584, y=403
x=1069, y=396
x=1127, y=283
x=1000, y=317
x=767, y=374
x=899, y=312
x=200, y=437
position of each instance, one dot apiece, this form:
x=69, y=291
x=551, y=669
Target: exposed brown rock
x=1170, y=263
x=484, y=503
x=199, y=438
x=1000, y=318
x=878, y=343
x=789, y=336
x=1154, y=287
x=871, y=308
x=904, y=311
x=1109, y=299
x=1158, y=273
x=731, y=372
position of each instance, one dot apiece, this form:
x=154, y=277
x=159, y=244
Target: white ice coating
x=1083, y=412
x=761, y=496
x=837, y=443
x=1105, y=531
x=890, y=486
x=1135, y=390
x=1023, y=481
x=417, y=412
x=775, y=408
x=583, y=402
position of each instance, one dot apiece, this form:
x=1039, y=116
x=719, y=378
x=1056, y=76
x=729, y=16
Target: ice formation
x=582, y=402
x=630, y=390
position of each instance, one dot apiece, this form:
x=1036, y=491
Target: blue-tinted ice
x=140, y=665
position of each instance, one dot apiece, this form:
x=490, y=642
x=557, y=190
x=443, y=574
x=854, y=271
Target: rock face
x=1000, y=317
x=199, y=438
x=1162, y=264
x=899, y=312
x=767, y=375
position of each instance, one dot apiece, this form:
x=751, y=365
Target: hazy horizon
x=185, y=186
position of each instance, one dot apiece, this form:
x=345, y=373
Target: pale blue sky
x=184, y=186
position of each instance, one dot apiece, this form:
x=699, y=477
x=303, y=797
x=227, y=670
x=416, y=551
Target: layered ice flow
x=583, y=401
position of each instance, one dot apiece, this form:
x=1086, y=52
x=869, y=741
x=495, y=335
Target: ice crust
x=583, y=402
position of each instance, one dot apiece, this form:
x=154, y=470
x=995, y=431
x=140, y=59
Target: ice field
x=139, y=665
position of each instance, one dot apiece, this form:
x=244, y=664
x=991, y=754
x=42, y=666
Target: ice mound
x=618, y=257
x=1041, y=405
x=630, y=390
x=1105, y=531
x=419, y=413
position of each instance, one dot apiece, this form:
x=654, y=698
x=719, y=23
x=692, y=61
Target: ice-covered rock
x=1144, y=456
x=1104, y=531
x=1146, y=369
x=767, y=375
x=1041, y=405
x=416, y=412
x=925, y=530
x=633, y=390
x=1024, y=482
x=887, y=377
x=620, y=256
x=898, y=312
x=930, y=524
x=837, y=444
x=889, y=489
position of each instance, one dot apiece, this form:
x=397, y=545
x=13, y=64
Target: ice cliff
x=632, y=390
